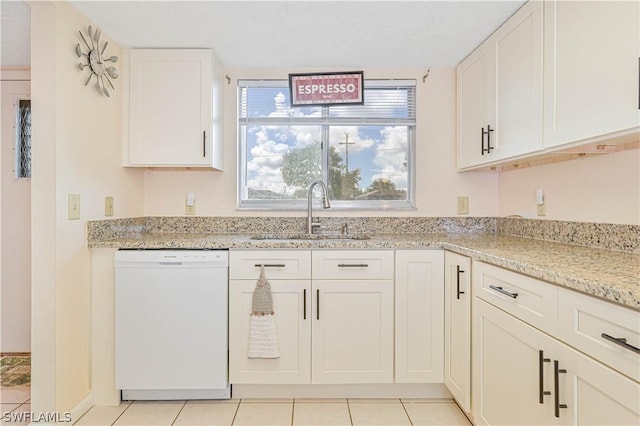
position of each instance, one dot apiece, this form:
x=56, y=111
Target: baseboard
x=82, y=407
x=391, y=390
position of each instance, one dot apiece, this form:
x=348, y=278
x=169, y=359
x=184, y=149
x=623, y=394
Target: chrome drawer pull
x=270, y=265
x=352, y=265
x=505, y=292
x=620, y=341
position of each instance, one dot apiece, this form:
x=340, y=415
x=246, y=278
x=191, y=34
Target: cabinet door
x=170, y=107
x=457, y=327
x=593, y=393
x=518, y=83
x=591, y=69
x=507, y=365
x=475, y=106
x=419, y=316
x=352, y=331
x=292, y=307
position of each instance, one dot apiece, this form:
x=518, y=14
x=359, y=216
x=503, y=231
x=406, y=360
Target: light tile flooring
x=254, y=412
x=14, y=400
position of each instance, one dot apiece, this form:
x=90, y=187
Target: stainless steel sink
x=310, y=237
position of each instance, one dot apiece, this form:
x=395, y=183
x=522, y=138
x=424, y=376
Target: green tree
x=302, y=166
x=384, y=189
x=342, y=185
x=382, y=184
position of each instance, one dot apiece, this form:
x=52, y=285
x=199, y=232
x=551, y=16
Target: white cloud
x=391, y=156
x=337, y=134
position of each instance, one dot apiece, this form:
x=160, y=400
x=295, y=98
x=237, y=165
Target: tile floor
x=14, y=400
x=254, y=412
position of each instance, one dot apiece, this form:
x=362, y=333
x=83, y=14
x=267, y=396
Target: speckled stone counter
x=608, y=274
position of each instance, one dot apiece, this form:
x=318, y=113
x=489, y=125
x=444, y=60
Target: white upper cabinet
x=500, y=92
x=518, y=83
x=475, y=107
x=591, y=69
x=172, y=111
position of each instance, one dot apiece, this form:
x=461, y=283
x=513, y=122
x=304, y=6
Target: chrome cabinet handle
x=270, y=265
x=458, y=272
x=505, y=292
x=556, y=387
x=620, y=341
x=541, y=361
x=204, y=143
x=353, y=265
x=317, y=304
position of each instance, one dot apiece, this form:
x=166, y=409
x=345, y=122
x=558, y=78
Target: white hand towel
x=263, y=338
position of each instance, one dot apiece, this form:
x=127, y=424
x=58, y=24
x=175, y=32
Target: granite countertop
x=608, y=274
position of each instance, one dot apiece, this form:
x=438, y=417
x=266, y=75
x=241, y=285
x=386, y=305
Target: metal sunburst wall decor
x=97, y=62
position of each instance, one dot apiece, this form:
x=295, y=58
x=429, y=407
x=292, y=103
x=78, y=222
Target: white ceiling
x=302, y=33
x=15, y=34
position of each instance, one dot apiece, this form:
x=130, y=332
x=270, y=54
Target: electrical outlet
x=541, y=210
x=463, y=205
x=73, y=206
x=108, y=206
x=190, y=210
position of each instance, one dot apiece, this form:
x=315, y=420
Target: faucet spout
x=325, y=203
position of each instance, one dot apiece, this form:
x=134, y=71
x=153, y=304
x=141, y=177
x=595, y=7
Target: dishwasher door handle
x=170, y=263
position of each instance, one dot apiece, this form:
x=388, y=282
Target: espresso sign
x=336, y=88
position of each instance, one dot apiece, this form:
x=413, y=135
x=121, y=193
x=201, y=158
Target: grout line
x=349, y=409
x=406, y=412
x=293, y=409
x=178, y=415
x=129, y=404
x=236, y=413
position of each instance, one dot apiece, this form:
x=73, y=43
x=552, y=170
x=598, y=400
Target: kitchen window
x=364, y=153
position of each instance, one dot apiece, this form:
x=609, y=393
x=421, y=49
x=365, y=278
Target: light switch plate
x=463, y=205
x=108, y=206
x=73, y=207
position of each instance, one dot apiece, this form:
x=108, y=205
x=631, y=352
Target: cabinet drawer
x=279, y=264
x=531, y=300
x=352, y=264
x=583, y=320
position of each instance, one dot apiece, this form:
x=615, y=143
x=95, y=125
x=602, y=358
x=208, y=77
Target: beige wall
x=15, y=228
x=76, y=150
x=596, y=189
x=437, y=184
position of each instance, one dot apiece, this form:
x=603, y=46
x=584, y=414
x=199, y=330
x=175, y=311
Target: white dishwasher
x=171, y=324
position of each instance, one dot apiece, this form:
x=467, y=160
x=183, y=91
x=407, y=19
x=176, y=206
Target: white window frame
x=408, y=204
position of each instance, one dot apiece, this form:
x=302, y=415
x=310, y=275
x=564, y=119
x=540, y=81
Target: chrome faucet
x=325, y=204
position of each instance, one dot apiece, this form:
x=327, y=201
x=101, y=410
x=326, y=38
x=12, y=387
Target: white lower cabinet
x=419, y=292
x=506, y=373
x=593, y=393
x=330, y=331
x=457, y=327
x=291, y=304
x=352, y=338
x=522, y=375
